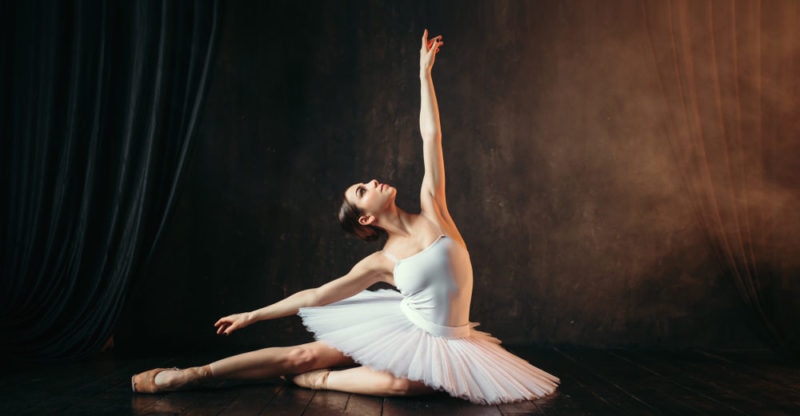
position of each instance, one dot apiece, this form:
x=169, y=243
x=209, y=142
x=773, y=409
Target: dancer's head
x=362, y=206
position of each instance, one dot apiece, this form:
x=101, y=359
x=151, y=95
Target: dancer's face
x=371, y=197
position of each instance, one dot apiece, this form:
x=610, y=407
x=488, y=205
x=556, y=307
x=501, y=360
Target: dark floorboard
x=594, y=382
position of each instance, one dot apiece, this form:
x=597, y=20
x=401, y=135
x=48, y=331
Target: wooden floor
x=594, y=382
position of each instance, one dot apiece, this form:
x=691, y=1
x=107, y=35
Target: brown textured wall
x=558, y=173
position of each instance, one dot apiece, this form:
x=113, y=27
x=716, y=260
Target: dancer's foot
x=146, y=382
x=314, y=380
x=160, y=380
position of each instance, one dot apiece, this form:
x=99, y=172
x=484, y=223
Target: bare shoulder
x=376, y=263
x=444, y=224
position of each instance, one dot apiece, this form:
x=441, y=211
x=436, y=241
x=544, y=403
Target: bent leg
x=364, y=380
x=259, y=364
x=277, y=361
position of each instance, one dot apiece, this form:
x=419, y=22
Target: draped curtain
x=728, y=71
x=100, y=103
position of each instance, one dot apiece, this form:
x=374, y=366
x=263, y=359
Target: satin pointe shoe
x=314, y=380
x=146, y=382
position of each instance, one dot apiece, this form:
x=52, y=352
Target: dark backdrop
x=575, y=171
x=99, y=102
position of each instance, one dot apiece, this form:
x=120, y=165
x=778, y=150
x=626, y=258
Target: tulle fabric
x=371, y=328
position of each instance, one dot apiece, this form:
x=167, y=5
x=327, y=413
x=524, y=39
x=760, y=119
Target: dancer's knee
x=300, y=359
x=396, y=386
x=406, y=387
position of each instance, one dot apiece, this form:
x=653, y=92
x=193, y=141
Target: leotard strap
x=390, y=256
x=394, y=258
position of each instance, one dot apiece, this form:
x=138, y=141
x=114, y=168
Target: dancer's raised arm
x=433, y=200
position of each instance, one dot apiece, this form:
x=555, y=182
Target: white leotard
x=436, y=284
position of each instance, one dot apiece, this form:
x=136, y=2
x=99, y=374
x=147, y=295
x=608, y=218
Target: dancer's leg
x=277, y=361
x=362, y=380
x=259, y=364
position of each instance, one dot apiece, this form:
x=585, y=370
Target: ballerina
x=413, y=340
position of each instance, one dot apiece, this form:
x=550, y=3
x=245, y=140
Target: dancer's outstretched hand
x=233, y=322
x=427, y=53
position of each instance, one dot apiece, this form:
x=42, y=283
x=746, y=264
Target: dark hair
x=348, y=218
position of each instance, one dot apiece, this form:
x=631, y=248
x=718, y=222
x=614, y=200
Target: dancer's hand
x=233, y=322
x=427, y=53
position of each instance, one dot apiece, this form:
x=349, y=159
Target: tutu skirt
x=372, y=328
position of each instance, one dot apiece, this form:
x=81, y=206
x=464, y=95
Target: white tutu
x=371, y=328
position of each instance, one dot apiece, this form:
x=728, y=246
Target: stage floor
x=594, y=382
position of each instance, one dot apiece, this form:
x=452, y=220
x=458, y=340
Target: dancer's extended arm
x=372, y=269
x=432, y=193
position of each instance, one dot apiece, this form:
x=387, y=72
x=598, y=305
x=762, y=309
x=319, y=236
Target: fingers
x=226, y=329
x=225, y=325
x=433, y=43
x=437, y=43
x=222, y=327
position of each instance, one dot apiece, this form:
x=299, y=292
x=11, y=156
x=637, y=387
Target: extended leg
x=362, y=380
x=260, y=364
x=276, y=361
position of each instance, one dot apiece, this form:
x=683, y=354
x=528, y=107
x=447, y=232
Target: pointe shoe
x=146, y=382
x=314, y=380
